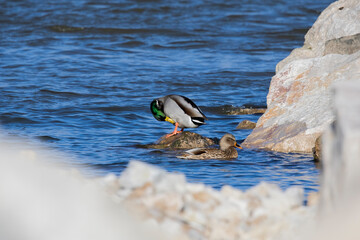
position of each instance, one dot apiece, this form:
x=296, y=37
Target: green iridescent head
x=156, y=108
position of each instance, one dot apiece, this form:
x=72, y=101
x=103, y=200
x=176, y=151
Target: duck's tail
x=198, y=120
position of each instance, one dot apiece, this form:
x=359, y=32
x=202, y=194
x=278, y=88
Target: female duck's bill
x=178, y=110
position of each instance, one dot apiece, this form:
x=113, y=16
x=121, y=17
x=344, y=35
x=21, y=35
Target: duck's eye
x=230, y=140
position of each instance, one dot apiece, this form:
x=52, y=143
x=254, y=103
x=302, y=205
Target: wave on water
x=59, y=92
x=47, y=138
x=110, y=109
x=132, y=44
x=99, y=30
x=67, y=93
x=184, y=45
x=11, y=118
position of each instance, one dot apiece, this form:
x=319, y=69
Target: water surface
x=79, y=76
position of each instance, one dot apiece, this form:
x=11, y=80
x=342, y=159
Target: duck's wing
x=189, y=107
x=196, y=151
x=189, y=154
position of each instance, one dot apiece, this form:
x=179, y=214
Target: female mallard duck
x=178, y=110
x=227, y=150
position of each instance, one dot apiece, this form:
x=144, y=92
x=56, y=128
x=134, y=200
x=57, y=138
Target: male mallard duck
x=178, y=110
x=227, y=150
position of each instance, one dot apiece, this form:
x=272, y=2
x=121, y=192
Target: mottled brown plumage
x=227, y=150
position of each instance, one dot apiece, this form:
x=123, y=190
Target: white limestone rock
x=299, y=106
x=200, y=212
x=339, y=19
x=137, y=174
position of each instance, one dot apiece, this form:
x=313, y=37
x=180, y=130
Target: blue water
x=79, y=75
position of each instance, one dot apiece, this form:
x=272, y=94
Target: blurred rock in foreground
x=40, y=201
x=341, y=148
x=298, y=102
x=199, y=212
x=339, y=203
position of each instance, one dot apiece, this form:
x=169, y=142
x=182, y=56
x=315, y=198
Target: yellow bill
x=238, y=146
x=169, y=120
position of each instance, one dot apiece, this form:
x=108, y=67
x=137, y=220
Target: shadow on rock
x=184, y=140
x=317, y=150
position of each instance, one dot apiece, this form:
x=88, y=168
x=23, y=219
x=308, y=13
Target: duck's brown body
x=227, y=150
x=209, y=153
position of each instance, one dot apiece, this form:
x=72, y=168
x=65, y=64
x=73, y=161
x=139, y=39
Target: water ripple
x=93, y=30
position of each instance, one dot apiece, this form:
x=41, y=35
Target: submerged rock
x=299, y=98
x=236, y=110
x=245, y=111
x=246, y=124
x=184, y=140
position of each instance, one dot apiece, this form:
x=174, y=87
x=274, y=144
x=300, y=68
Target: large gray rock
x=339, y=20
x=299, y=107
